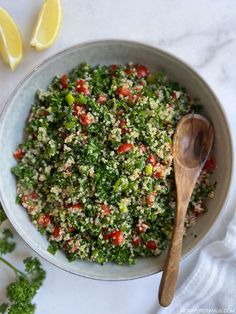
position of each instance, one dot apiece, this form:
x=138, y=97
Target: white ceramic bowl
x=15, y=114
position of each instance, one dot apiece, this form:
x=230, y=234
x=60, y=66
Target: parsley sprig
x=20, y=292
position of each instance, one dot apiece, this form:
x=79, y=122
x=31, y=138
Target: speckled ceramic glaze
x=107, y=52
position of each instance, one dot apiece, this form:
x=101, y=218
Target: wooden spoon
x=192, y=144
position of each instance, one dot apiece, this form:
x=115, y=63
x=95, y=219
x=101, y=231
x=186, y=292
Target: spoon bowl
x=193, y=140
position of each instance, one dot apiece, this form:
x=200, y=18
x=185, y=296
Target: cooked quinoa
x=95, y=170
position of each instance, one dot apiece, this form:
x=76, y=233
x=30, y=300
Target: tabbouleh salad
x=95, y=170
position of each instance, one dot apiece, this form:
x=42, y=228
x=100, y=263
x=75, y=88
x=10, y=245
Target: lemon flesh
x=48, y=25
x=11, y=46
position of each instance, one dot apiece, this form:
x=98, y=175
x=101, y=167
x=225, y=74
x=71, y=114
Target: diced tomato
x=44, y=220
x=64, y=80
x=105, y=235
x=102, y=99
x=210, y=164
x=174, y=95
x=105, y=209
x=118, y=237
x=31, y=196
x=170, y=105
x=18, y=154
x=142, y=148
x=82, y=88
x=142, y=71
x=57, y=232
x=151, y=245
x=124, y=148
x=123, y=90
x=114, y=67
x=152, y=160
x=24, y=199
x=151, y=198
x=158, y=174
x=136, y=241
x=78, y=109
x=85, y=119
x=74, y=206
x=128, y=71
x=142, y=227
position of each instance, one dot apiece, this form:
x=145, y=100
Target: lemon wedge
x=11, y=46
x=48, y=25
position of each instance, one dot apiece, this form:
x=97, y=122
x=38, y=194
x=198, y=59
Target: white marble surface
x=201, y=32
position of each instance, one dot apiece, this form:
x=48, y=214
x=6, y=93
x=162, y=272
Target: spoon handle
x=171, y=267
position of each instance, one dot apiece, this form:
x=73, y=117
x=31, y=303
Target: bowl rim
x=173, y=57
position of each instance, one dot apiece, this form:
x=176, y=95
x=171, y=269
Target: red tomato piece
x=118, y=237
x=82, y=88
x=158, y=174
x=210, y=164
x=74, y=206
x=105, y=235
x=31, y=196
x=151, y=198
x=151, y=245
x=128, y=71
x=136, y=241
x=105, y=209
x=44, y=220
x=24, y=199
x=57, y=232
x=114, y=67
x=142, y=71
x=78, y=109
x=102, y=99
x=64, y=80
x=123, y=90
x=174, y=95
x=18, y=154
x=124, y=148
x=152, y=160
x=85, y=119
